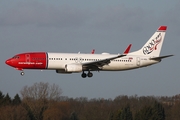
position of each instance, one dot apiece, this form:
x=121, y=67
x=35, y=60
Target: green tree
x=154, y=112
x=73, y=116
x=16, y=100
x=7, y=100
x=144, y=114
x=1, y=98
x=1, y=95
x=126, y=114
x=122, y=114
x=158, y=111
x=117, y=115
x=111, y=116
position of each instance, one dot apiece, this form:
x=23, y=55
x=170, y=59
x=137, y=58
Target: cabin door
x=138, y=61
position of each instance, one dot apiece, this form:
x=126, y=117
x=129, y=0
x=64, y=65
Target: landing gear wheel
x=83, y=75
x=90, y=74
x=22, y=73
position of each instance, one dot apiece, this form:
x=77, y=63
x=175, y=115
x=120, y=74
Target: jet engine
x=62, y=71
x=73, y=68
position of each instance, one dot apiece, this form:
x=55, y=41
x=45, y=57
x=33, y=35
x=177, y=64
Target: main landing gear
x=84, y=75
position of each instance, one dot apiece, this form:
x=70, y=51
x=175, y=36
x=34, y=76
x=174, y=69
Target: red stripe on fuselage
x=30, y=60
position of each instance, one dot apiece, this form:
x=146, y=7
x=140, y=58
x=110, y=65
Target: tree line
x=43, y=101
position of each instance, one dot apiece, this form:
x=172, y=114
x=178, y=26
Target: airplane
x=67, y=63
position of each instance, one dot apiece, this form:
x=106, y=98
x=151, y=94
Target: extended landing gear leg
x=83, y=75
x=22, y=73
x=90, y=74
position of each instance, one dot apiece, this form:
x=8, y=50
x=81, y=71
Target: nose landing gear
x=22, y=73
x=20, y=69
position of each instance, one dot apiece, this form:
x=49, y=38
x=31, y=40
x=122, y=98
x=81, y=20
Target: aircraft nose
x=8, y=62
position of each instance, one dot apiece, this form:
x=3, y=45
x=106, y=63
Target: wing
x=96, y=65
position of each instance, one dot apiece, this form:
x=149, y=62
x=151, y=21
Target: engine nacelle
x=62, y=71
x=73, y=68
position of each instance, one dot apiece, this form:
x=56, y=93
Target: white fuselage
x=59, y=60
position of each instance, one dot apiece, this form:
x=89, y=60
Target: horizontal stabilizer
x=160, y=57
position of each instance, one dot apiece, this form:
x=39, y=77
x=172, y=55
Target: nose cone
x=8, y=62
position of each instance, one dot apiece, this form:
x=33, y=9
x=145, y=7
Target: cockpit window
x=16, y=57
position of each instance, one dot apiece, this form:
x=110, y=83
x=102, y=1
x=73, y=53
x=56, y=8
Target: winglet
x=92, y=52
x=127, y=49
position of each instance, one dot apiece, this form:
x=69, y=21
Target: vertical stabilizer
x=154, y=44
